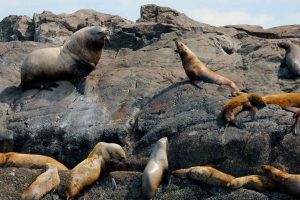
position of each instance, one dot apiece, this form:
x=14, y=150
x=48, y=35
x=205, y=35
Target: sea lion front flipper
x=111, y=182
x=237, y=124
x=196, y=85
x=166, y=180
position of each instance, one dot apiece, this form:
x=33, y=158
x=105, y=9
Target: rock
x=56, y=28
x=138, y=93
x=16, y=28
x=158, y=14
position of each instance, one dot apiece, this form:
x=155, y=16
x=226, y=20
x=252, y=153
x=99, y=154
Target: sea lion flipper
x=166, y=180
x=196, y=85
x=111, y=182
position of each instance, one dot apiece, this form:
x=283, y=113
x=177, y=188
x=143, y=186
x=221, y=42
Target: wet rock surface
x=139, y=93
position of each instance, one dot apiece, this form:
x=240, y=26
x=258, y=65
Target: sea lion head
x=2, y=159
x=284, y=45
x=112, y=152
x=180, y=173
x=182, y=49
x=163, y=143
x=97, y=36
x=257, y=101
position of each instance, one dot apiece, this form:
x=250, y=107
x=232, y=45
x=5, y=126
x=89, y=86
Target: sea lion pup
x=292, y=58
x=43, y=184
x=290, y=182
x=73, y=61
x=205, y=174
x=88, y=171
x=156, y=170
x=244, y=102
x=12, y=159
x=197, y=71
x=253, y=182
x=289, y=102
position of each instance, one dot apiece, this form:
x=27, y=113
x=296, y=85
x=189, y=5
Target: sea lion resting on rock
x=12, y=159
x=290, y=102
x=156, y=170
x=43, y=184
x=245, y=101
x=197, y=71
x=253, y=182
x=205, y=174
x=72, y=61
x=290, y=182
x=88, y=171
x=292, y=58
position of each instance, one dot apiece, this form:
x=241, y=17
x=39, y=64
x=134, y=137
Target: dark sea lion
x=73, y=61
x=292, y=58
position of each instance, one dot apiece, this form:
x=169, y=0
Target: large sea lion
x=12, y=159
x=292, y=58
x=244, y=102
x=156, y=170
x=43, y=184
x=290, y=182
x=73, y=61
x=88, y=171
x=253, y=182
x=197, y=71
x=205, y=174
x=290, y=102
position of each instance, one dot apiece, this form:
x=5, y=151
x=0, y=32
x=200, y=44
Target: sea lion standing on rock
x=253, y=182
x=43, y=184
x=12, y=159
x=289, y=102
x=290, y=182
x=205, y=174
x=88, y=171
x=156, y=170
x=245, y=101
x=197, y=71
x=73, y=61
x=292, y=58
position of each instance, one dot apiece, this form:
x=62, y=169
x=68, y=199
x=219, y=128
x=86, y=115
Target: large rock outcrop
x=138, y=94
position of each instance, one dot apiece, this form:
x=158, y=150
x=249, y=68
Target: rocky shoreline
x=137, y=95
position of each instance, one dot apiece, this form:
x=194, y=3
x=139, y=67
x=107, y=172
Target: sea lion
x=290, y=102
x=88, y=171
x=73, y=61
x=197, y=71
x=43, y=184
x=205, y=174
x=290, y=182
x=244, y=102
x=156, y=170
x=292, y=58
x=253, y=182
x=13, y=159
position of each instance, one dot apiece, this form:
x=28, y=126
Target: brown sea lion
x=253, y=182
x=73, y=61
x=12, y=159
x=290, y=102
x=197, y=71
x=156, y=170
x=88, y=171
x=292, y=58
x=205, y=174
x=290, y=182
x=43, y=184
x=244, y=102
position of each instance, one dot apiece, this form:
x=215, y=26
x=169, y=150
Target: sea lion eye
x=99, y=33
